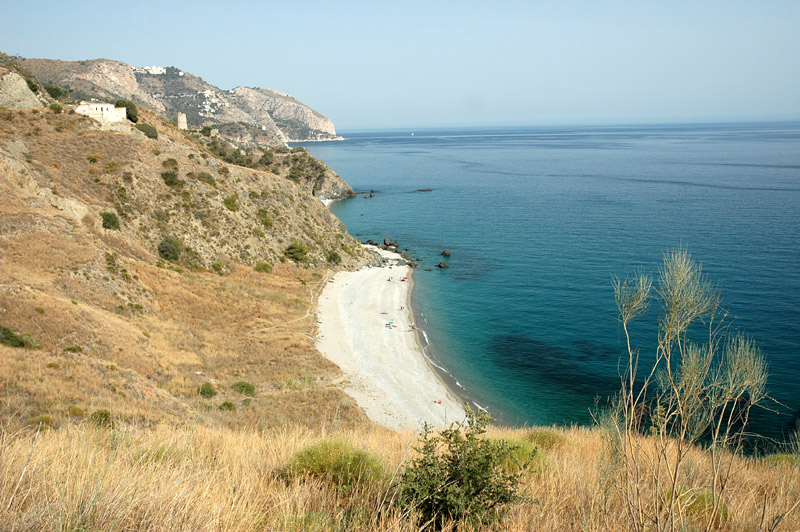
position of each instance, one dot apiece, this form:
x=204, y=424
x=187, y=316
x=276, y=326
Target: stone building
x=105, y=113
x=182, y=121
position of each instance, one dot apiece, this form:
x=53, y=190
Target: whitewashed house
x=105, y=113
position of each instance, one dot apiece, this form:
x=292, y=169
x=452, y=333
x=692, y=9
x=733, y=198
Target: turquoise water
x=539, y=219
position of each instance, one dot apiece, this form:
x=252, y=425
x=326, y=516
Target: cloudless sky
x=416, y=64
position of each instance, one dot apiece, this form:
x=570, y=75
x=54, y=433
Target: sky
x=452, y=63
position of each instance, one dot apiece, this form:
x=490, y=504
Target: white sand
x=387, y=373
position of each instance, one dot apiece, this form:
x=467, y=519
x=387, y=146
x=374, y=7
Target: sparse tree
x=695, y=391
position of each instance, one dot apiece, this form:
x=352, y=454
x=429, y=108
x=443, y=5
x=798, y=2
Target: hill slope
x=123, y=324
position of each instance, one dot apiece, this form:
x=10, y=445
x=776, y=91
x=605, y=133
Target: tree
x=694, y=391
x=131, y=112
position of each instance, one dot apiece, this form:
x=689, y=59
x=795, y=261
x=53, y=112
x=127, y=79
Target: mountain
x=270, y=117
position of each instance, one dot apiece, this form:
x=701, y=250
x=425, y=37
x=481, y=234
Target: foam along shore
x=366, y=329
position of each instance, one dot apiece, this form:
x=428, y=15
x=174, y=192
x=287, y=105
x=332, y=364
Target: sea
x=539, y=221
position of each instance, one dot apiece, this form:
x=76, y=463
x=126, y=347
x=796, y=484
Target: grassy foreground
x=83, y=477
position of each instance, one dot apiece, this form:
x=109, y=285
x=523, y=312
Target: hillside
x=272, y=117
x=122, y=321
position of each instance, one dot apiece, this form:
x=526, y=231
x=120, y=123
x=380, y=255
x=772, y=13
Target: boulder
x=442, y=265
x=387, y=241
x=446, y=253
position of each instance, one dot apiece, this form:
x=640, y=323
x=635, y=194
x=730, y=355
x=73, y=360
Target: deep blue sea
x=538, y=221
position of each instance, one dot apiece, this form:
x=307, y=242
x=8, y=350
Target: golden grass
x=200, y=478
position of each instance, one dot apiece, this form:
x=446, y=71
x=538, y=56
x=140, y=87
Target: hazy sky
x=417, y=64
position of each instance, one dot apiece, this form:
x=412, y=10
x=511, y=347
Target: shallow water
x=538, y=221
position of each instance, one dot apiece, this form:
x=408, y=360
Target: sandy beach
x=365, y=329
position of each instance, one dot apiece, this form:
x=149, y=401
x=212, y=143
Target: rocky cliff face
x=279, y=117
x=296, y=120
x=15, y=93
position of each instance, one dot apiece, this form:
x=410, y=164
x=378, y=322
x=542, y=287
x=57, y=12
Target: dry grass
x=199, y=478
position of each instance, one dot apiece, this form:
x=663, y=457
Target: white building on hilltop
x=105, y=113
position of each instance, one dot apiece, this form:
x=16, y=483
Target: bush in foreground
x=11, y=339
x=337, y=462
x=460, y=476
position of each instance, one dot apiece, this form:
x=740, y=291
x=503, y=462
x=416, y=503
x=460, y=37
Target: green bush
x=170, y=178
x=206, y=390
x=11, y=339
x=149, y=131
x=227, y=406
x=297, y=251
x=170, y=248
x=75, y=411
x=131, y=113
x=170, y=164
x=337, y=462
x=264, y=217
x=55, y=91
x=263, y=267
x=333, y=257
x=524, y=456
x=101, y=418
x=56, y=107
x=546, y=439
x=244, y=388
x=208, y=178
x=459, y=476
x=110, y=220
x=74, y=349
x=231, y=202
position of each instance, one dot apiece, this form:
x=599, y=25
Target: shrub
x=74, y=411
x=101, y=418
x=131, y=113
x=53, y=365
x=227, y=406
x=74, y=349
x=223, y=170
x=297, y=251
x=56, y=107
x=337, y=462
x=55, y=91
x=244, y=388
x=206, y=390
x=206, y=131
x=524, y=456
x=231, y=202
x=46, y=421
x=11, y=339
x=39, y=310
x=170, y=164
x=264, y=217
x=149, y=131
x=170, y=248
x=170, y=178
x=110, y=220
x=263, y=267
x=208, y=178
x=32, y=85
x=333, y=257
x=545, y=439
x=459, y=476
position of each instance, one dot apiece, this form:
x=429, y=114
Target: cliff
x=275, y=118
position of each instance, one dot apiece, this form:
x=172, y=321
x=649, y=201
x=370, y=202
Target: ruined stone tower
x=182, y=121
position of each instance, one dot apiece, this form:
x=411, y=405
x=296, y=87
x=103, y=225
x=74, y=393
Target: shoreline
x=364, y=320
